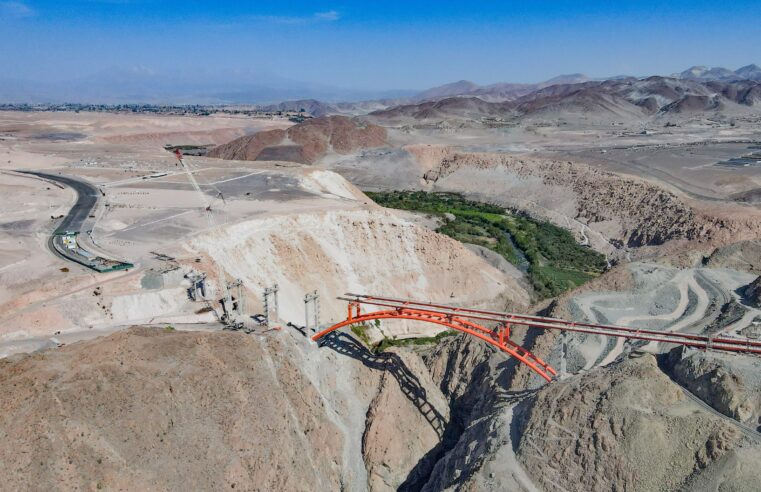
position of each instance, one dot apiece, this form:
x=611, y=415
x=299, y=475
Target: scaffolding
x=314, y=300
x=197, y=289
x=237, y=304
x=271, y=293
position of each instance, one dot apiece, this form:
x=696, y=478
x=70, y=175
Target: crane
x=227, y=301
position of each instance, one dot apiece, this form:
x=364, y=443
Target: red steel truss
x=461, y=319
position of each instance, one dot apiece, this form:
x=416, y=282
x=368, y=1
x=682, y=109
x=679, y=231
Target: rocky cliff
x=624, y=210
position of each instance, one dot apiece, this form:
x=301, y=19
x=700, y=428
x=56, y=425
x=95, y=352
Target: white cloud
x=328, y=16
x=15, y=10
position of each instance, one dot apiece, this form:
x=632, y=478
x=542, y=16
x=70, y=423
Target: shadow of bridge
x=390, y=362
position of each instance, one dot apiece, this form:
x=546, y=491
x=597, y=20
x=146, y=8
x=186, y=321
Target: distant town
x=169, y=109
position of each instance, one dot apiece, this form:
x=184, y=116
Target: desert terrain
x=628, y=202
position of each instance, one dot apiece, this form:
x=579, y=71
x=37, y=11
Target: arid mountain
x=449, y=108
x=304, y=142
x=748, y=72
x=154, y=409
x=621, y=98
x=321, y=108
x=310, y=106
x=508, y=91
x=448, y=90
x=499, y=92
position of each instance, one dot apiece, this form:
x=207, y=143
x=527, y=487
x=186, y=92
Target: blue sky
x=378, y=45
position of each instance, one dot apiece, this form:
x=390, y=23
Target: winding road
x=85, y=253
x=87, y=198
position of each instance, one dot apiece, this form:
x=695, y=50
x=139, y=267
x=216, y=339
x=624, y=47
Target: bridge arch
x=498, y=337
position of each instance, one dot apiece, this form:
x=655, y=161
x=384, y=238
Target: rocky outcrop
x=457, y=364
x=311, y=140
x=727, y=383
x=752, y=293
x=155, y=409
x=397, y=433
x=623, y=427
x=744, y=256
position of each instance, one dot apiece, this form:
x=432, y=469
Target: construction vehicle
x=231, y=315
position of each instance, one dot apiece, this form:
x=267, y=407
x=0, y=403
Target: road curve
x=62, y=242
x=87, y=198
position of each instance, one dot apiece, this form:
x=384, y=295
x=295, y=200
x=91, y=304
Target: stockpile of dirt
x=312, y=139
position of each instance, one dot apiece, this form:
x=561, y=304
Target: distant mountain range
x=695, y=89
x=201, y=86
x=617, y=99
x=495, y=92
x=706, y=74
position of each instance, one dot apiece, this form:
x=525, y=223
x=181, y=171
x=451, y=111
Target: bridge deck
x=723, y=343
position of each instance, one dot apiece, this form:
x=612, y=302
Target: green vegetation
x=407, y=342
x=169, y=328
x=361, y=332
x=554, y=262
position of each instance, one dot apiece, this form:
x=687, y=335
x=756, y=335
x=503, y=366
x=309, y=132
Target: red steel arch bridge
x=474, y=322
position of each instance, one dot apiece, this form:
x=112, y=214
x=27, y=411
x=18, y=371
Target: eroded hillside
x=623, y=210
x=149, y=408
x=305, y=142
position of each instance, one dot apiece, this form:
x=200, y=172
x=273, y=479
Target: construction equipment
x=230, y=315
x=197, y=290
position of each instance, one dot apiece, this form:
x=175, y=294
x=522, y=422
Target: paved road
x=74, y=222
x=87, y=197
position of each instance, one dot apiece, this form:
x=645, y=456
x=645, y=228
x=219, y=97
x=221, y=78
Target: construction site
x=403, y=307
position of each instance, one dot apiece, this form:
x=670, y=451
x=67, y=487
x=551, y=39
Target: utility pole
x=314, y=299
x=270, y=292
x=564, y=354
